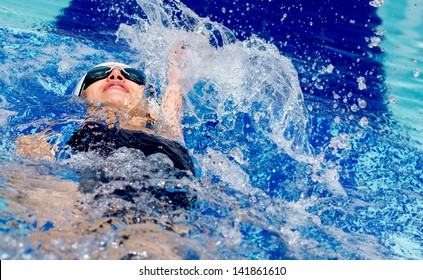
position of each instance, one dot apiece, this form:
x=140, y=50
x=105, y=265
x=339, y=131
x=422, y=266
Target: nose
x=116, y=75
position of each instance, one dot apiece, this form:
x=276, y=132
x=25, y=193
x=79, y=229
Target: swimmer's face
x=114, y=91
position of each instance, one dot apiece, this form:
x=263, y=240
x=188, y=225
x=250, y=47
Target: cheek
x=88, y=96
x=92, y=93
x=133, y=87
x=136, y=94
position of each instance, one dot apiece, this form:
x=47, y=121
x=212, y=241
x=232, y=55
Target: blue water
x=304, y=118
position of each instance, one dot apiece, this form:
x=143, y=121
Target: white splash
x=5, y=114
x=252, y=74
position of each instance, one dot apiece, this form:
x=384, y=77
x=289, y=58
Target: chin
x=116, y=101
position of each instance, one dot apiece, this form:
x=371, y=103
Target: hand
x=177, y=52
x=35, y=146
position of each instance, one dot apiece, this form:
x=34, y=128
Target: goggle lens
x=101, y=72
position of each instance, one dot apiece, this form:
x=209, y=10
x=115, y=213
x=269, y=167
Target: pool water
x=304, y=120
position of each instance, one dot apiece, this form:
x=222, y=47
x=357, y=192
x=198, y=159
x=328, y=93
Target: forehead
x=113, y=64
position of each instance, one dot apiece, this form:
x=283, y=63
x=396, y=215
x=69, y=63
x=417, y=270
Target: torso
x=95, y=136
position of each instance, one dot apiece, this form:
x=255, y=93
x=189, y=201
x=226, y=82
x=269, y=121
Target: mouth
x=118, y=86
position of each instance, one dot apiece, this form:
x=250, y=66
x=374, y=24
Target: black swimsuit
x=94, y=136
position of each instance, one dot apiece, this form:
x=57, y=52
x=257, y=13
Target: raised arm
x=172, y=101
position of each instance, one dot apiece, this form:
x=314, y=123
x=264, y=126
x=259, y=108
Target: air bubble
x=416, y=73
x=354, y=108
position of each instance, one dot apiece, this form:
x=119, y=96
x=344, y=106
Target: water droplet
x=392, y=99
x=380, y=31
x=237, y=154
x=364, y=121
x=327, y=70
x=362, y=103
x=374, y=42
x=337, y=119
x=376, y=3
x=361, y=83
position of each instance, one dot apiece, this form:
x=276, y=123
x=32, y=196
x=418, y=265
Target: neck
x=137, y=120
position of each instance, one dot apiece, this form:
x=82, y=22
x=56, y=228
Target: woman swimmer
x=114, y=93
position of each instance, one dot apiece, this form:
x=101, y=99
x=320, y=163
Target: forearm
x=172, y=104
x=172, y=101
x=36, y=146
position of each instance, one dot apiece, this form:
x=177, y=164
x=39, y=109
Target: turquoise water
x=285, y=174
x=404, y=49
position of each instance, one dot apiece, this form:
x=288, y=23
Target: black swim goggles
x=102, y=71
